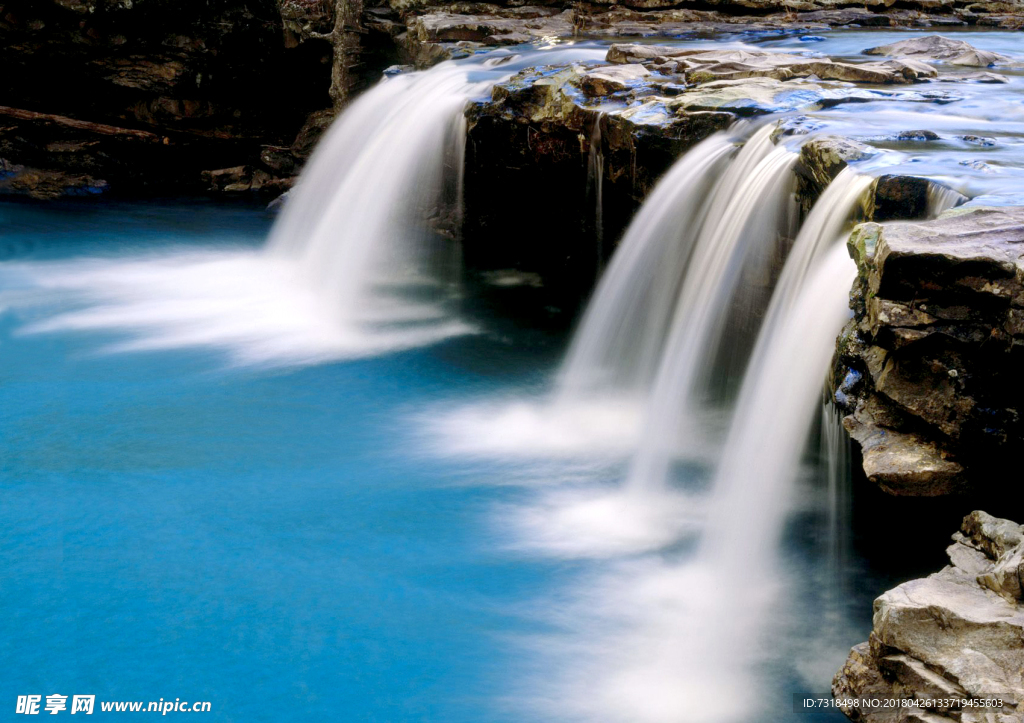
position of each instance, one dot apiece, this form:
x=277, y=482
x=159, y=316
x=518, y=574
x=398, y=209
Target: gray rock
x=937, y=47
x=936, y=336
x=702, y=66
x=605, y=81
x=902, y=463
x=956, y=634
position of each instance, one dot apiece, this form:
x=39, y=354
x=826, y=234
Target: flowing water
x=288, y=478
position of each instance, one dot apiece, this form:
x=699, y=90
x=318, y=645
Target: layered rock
x=949, y=647
x=926, y=370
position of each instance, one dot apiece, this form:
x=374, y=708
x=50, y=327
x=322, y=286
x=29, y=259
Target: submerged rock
x=947, y=647
x=937, y=47
x=938, y=336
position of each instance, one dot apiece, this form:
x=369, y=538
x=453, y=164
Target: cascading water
x=355, y=229
x=751, y=205
x=595, y=187
x=620, y=338
x=355, y=266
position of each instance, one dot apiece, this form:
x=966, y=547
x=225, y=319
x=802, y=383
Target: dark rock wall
x=537, y=160
x=216, y=84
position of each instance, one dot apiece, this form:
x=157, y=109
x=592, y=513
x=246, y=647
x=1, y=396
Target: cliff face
x=927, y=368
x=949, y=646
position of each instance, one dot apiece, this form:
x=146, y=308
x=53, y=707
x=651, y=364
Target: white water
x=354, y=265
x=621, y=335
x=751, y=206
x=942, y=198
x=774, y=413
x=677, y=637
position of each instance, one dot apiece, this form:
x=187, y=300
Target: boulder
x=939, y=48
x=949, y=647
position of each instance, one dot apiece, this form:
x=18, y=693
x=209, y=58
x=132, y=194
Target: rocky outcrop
x=701, y=66
x=544, y=137
x=950, y=647
x=926, y=370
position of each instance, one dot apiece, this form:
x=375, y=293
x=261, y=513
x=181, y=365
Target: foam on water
x=353, y=266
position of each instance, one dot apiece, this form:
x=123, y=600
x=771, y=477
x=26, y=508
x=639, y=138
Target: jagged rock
x=538, y=137
x=936, y=338
x=957, y=635
x=901, y=463
x=937, y=47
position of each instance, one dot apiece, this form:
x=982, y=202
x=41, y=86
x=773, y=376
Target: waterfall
x=355, y=226
x=749, y=206
x=774, y=413
x=942, y=198
x=620, y=338
x=360, y=262
x=595, y=188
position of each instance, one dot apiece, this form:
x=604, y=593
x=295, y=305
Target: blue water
x=266, y=541
x=279, y=542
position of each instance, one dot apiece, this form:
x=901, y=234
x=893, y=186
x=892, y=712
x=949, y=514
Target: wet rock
x=937, y=47
x=917, y=136
x=981, y=77
x=821, y=159
x=539, y=137
x=702, y=66
x=605, y=81
x=978, y=140
x=759, y=96
x=901, y=463
x=47, y=185
x=953, y=636
x=937, y=335
x=244, y=179
x=899, y=198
